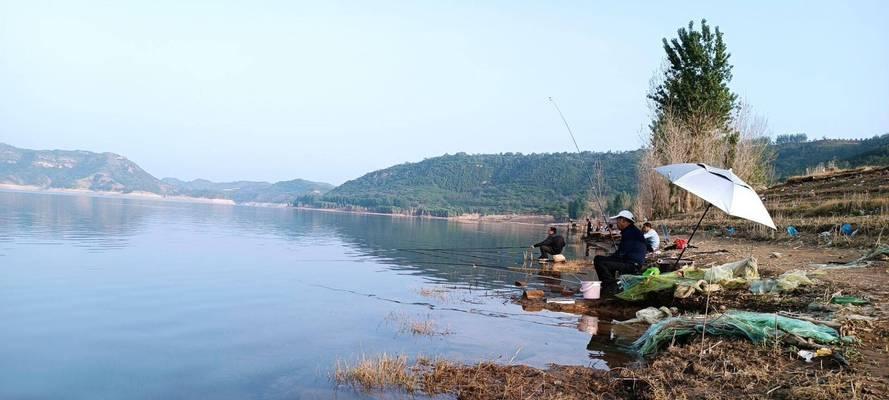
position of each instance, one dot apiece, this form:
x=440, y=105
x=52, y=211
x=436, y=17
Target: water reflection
x=240, y=299
x=588, y=324
x=91, y=222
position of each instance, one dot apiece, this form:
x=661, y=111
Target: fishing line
x=485, y=313
x=592, y=185
x=463, y=248
x=484, y=256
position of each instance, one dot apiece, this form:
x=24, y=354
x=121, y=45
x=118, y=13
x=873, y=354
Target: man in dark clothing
x=630, y=255
x=553, y=244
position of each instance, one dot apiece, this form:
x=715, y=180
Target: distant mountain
x=77, y=169
x=109, y=172
x=794, y=158
x=484, y=183
x=249, y=191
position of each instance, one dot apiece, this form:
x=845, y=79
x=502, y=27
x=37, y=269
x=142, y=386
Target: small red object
x=680, y=243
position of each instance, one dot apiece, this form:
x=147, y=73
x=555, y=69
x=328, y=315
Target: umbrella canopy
x=721, y=188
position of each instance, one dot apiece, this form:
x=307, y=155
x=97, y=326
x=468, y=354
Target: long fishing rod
x=592, y=184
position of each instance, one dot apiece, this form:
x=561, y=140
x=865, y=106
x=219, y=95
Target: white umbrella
x=720, y=188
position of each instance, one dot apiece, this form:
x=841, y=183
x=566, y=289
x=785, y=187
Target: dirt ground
x=725, y=372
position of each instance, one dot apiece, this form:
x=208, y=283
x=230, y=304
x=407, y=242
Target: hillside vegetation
x=794, y=158
x=484, y=183
x=553, y=184
x=249, y=191
x=61, y=169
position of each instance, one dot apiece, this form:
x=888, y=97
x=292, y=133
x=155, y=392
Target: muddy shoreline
x=712, y=367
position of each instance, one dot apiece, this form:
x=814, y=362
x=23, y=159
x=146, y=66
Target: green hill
x=483, y=183
x=795, y=157
x=64, y=169
x=548, y=183
x=249, y=191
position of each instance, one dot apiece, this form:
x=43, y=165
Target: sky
x=328, y=91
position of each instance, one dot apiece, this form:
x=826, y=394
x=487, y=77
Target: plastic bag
x=746, y=269
x=763, y=286
x=792, y=279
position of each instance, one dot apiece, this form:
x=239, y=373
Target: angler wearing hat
x=630, y=255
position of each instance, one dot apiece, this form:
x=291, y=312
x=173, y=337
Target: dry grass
x=418, y=326
x=741, y=370
x=572, y=266
x=721, y=370
x=380, y=372
x=485, y=380
x=695, y=142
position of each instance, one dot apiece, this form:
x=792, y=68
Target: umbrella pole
x=676, y=265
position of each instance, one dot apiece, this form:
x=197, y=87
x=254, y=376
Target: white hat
x=625, y=214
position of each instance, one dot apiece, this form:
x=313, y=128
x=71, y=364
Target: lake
x=106, y=297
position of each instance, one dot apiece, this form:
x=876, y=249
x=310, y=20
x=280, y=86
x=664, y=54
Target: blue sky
x=328, y=91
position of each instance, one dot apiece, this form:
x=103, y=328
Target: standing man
x=552, y=245
x=630, y=255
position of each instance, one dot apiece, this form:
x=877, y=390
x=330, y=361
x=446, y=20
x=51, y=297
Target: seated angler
x=630, y=255
x=552, y=245
x=651, y=237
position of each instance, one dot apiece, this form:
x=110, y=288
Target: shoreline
x=6, y=187
x=520, y=219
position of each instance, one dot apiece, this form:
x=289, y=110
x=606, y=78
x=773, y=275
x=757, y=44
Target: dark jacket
x=555, y=242
x=633, y=246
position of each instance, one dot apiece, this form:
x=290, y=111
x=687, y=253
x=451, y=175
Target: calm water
x=119, y=298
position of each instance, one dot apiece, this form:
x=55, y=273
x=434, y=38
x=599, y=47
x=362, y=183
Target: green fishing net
x=756, y=327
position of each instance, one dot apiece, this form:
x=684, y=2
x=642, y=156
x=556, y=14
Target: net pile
x=753, y=326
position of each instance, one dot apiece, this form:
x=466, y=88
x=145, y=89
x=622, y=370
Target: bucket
x=591, y=289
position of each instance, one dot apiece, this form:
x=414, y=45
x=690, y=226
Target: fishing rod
x=592, y=184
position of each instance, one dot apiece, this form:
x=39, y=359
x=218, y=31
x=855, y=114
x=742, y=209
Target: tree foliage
x=791, y=138
x=794, y=157
x=698, y=119
x=620, y=201
x=694, y=87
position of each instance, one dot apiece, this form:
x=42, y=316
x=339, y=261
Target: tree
x=577, y=208
x=620, y=201
x=694, y=86
x=791, y=138
x=697, y=119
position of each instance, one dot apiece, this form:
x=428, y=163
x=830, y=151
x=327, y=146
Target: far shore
x=129, y=195
x=524, y=219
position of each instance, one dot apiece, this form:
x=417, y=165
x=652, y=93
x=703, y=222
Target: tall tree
x=694, y=87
